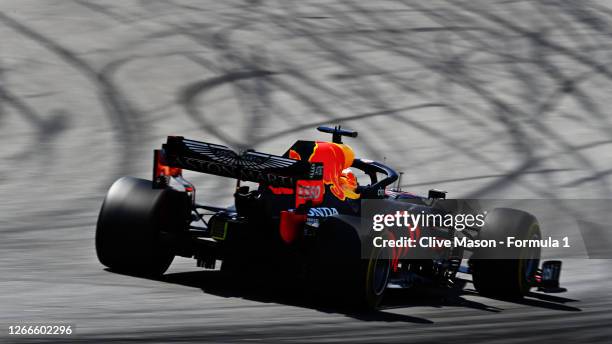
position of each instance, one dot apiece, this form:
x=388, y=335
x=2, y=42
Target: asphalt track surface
x=505, y=99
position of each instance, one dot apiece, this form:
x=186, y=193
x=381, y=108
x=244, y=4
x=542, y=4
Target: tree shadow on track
x=454, y=297
x=538, y=300
x=267, y=288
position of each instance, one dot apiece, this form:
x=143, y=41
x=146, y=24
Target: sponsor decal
x=322, y=212
x=308, y=190
x=336, y=159
x=235, y=172
x=316, y=171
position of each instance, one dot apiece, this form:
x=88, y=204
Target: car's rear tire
x=339, y=273
x=135, y=227
x=506, y=278
x=375, y=276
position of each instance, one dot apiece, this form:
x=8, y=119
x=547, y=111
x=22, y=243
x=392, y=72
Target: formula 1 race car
x=302, y=218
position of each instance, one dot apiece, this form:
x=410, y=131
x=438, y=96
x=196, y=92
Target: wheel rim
x=381, y=274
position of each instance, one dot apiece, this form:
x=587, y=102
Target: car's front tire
x=510, y=277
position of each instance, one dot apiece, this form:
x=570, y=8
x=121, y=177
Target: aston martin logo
x=247, y=159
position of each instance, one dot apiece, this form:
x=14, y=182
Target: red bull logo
x=336, y=159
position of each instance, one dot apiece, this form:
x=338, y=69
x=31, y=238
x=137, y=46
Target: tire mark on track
x=189, y=94
x=460, y=79
x=47, y=130
x=506, y=114
x=385, y=113
x=103, y=10
x=220, y=43
x=121, y=117
x=337, y=98
x=487, y=176
x=540, y=41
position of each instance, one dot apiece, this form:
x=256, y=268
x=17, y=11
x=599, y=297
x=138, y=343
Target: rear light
x=290, y=225
x=161, y=170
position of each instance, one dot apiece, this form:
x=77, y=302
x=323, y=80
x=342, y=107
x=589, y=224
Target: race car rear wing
x=273, y=170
